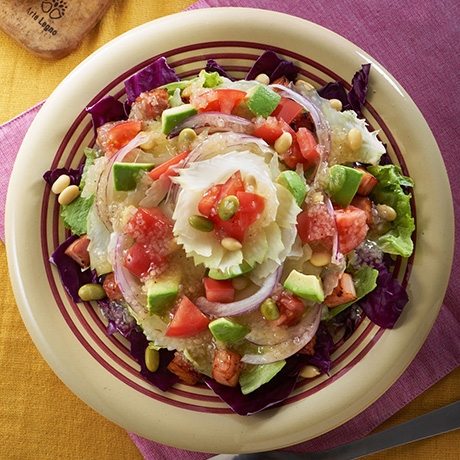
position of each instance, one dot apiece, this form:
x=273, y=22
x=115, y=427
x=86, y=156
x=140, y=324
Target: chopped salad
x=235, y=231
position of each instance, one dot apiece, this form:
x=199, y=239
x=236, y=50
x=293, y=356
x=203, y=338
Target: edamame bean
x=91, y=291
x=201, y=223
x=152, y=359
x=186, y=135
x=228, y=207
x=269, y=309
x=386, y=212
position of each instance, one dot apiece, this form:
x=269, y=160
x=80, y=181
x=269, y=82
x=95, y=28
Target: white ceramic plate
x=73, y=339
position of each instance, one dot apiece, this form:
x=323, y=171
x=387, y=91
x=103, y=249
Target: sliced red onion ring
x=129, y=284
x=240, y=307
x=337, y=257
x=303, y=334
x=215, y=122
x=321, y=124
x=104, y=186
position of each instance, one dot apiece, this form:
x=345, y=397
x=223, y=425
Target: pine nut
x=354, y=139
x=386, y=212
x=336, y=104
x=68, y=194
x=231, y=244
x=60, y=184
x=283, y=143
x=320, y=258
x=263, y=78
x=309, y=371
x=305, y=84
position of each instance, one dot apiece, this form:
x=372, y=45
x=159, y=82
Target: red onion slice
x=215, y=122
x=240, y=307
x=321, y=124
x=301, y=335
x=104, y=188
x=129, y=284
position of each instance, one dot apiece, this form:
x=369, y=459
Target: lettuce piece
x=74, y=214
x=390, y=191
x=158, y=73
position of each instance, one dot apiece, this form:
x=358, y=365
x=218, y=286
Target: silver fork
x=436, y=422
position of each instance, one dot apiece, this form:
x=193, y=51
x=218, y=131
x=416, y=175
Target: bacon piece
x=184, y=369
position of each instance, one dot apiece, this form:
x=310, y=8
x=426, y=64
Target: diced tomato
x=167, y=166
x=351, y=227
x=287, y=110
x=152, y=231
x=219, y=290
x=251, y=206
x=271, y=128
x=368, y=182
x=316, y=224
x=188, y=320
x=218, y=100
x=120, y=134
x=291, y=308
x=308, y=147
x=344, y=292
x=111, y=287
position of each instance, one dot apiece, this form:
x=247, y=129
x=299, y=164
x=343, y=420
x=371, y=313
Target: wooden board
x=51, y=28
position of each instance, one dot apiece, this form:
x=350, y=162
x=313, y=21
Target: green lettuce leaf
x=389, y=191
x=75, y=213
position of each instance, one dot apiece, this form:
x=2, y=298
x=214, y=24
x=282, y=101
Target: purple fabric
x=418, y=45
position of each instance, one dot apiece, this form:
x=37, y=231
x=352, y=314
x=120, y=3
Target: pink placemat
x=417, y=45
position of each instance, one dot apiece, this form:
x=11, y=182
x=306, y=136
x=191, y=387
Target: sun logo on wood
x=55, y=10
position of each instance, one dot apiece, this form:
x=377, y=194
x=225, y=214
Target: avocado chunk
x=308, y=287
x=126, y=175
x=171, y=117
x=233, y=272
x=225, y=330
x=294, y=183
x=343, y=184
x=254, y=376
x=162, y=292
x=263, y=101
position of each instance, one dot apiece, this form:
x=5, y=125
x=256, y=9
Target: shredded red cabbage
x=275, y=67
x=51, y=175
x=70, y=273
x=213, y=66
x=105, y=110
x=162, y=378
x=158, y=73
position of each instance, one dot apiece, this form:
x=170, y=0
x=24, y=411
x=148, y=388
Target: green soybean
x=91, y=291
x=201, y=223
x=269, y=309
x=228, y=207
x=152, y=359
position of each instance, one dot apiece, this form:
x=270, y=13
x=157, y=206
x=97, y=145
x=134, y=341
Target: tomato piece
x=269, y=129
x=207, y=204
x=142, y=259
x=188, y=320
x=219, y=290
x=287, y=110
x=351, y=227
x=364, y=203
x=218, y=100
x=232, y=186
x=316, y=224
x=120, y=134
x=153, y=235
x=308, y=147
x=291, y=308
x=167, y=166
